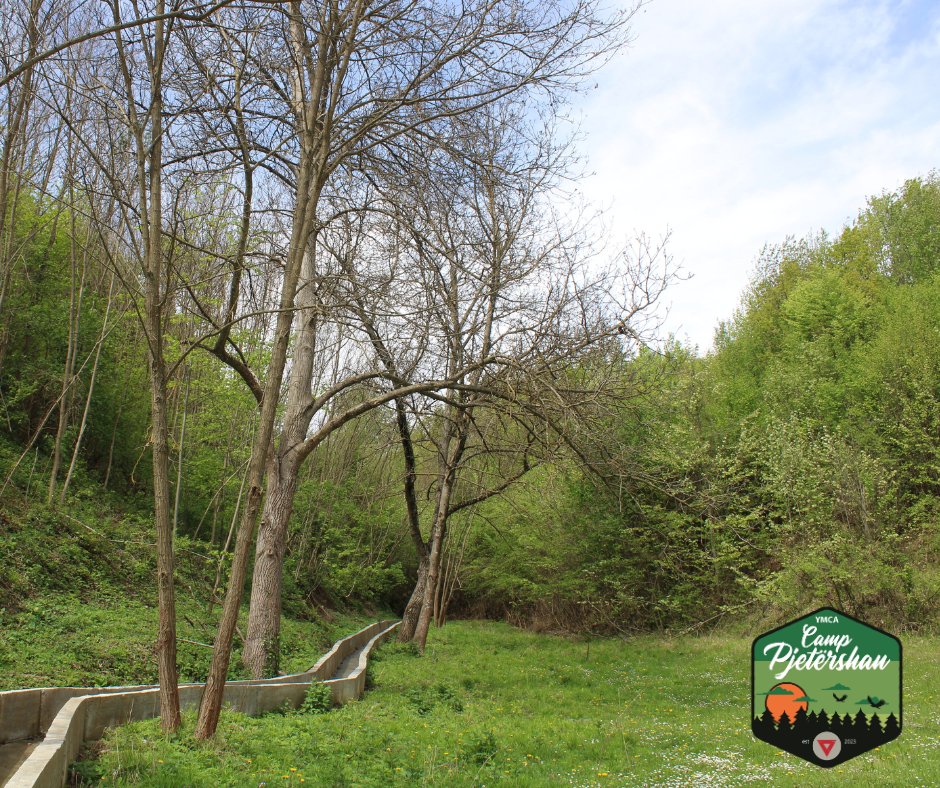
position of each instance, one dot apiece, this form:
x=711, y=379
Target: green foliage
x=424, y=699
x=830, y=461
x=78, y=594
x=86, y=771
x=345, y=546
x=394, y=648
x=317, y=700
x=796, y=465
x=905, y=229
x=481, y=749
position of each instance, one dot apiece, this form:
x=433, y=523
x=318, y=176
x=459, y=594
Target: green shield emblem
x=826, y=687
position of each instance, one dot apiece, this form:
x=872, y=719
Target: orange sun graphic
x=779, y=703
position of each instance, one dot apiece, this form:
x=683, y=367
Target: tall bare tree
x=123, y=79
x=513, y=281
x=311, y=111
x=365, y=79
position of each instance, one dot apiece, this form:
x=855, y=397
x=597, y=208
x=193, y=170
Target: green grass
x=58, y=640
x=489, y=704
x=78, y=594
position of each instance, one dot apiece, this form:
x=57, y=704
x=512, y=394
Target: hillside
x=78, y=600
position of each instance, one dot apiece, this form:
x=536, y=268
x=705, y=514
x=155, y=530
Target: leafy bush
x=317, y=700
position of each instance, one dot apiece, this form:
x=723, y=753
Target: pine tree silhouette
x=783, y=724
x=847, y=722
x=874, y=725
x=835, y=724
x=813, y=720
x=822, y=720
x=892, y=729
x=800, y=721
x=860, y=726
x=764, y=725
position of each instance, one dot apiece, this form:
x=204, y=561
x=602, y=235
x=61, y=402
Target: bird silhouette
x=838, y=699
x=876, y=702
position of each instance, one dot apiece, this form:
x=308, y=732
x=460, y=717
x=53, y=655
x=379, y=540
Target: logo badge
x=826, y=687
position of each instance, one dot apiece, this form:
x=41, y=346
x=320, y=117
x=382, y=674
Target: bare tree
x=386, y=75
x=122, y=80
x=509, y=281
x=28, y=148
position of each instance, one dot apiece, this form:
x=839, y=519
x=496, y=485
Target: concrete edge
x=353, y=686
x=372, y=644
x=81, y=718
x=329, y=662
x=27, y=714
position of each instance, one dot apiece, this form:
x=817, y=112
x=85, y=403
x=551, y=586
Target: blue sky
x=735, y=123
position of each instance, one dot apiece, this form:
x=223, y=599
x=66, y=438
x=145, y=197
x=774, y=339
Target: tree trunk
x=15, y=125
x=179, y=461
x=157, y=278
x=409, y=619
x=308, y=195
x=451, y=577
x=450, y=455
x=442, y=578
x=166, y=637
x=114, y=431
x=211, y=706
x=261, y=654
x=413, y=609
x=262, y=647
x=430, y=587
x=65, y=399
x=91, y=390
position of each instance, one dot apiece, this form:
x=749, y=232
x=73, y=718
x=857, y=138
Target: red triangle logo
x=827, y=745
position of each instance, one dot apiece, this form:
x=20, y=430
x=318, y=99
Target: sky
x=731, y=124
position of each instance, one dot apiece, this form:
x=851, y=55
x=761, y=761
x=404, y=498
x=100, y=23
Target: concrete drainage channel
x=42, y=730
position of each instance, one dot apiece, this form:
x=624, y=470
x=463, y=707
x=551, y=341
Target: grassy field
x=491, y=705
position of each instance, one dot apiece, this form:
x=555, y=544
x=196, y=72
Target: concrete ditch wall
x=68, y=717
x=351, y=685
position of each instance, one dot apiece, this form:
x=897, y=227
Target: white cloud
x=736, y=123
